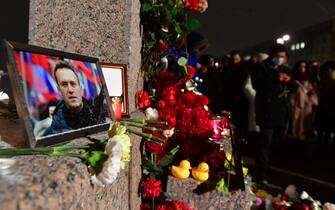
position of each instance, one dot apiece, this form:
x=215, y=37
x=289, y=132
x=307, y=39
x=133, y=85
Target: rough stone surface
x=110, y=31
x=10, y=128
x=106, y=29
x=183, y=190
x=43, y=182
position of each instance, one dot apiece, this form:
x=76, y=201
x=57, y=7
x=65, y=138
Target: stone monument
x=110, y=31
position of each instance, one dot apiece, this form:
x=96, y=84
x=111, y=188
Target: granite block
x=185, y=190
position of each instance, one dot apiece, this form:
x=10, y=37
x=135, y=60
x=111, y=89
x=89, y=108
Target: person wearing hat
x=273, y=84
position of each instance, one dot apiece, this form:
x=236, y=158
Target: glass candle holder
x=117, y=106
x=220, y=129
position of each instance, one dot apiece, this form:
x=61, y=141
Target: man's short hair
x=277, y=48
x=235, y=52
x=64, y=65
x=204, y=60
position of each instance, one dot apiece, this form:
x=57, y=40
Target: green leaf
x=221, y=186
x=167, y=159
x=192, y=24
x=150, y=44
x=95, y=159
x=178, y=29
x=146, y=172
x=146, y=7
x=226, y=164
x=152, y=35
x=174, y=10
x=151, y=168
x=166, y=16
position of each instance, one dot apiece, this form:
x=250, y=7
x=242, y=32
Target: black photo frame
x=33, y=83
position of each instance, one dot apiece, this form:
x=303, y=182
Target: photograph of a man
x=73, y=111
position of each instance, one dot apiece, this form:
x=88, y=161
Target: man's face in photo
x=69, y=88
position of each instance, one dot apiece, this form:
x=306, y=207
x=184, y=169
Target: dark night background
x=241, y=23
x=14, y=17
x=226, y=24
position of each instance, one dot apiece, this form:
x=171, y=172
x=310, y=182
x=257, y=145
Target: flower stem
x=174, y=150
x=142, y=121
x=147, y=136
x=228, y=180
x=11, y=152
x=74, y=155
x=143, y=127
x=153, y=204
x=57, y=150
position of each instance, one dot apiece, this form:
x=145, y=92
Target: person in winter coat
x=74, y=111
x=273, y=84
x=302, y=102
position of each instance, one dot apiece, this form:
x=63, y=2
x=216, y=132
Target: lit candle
x=117, y=106
x=217, y=128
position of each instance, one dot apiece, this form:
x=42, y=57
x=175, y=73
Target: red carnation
x=184, y=119
x=161, y=105
x=182, y=41
x=300, y=206
x=162, y=46
x=282, y=207
x=169, y=96
x=153, y=147
x=284, y=197
x=145, y=206
x=190, y=71
x=192, y=5
x=162, y=207
x=166, y=79
x=169, y=115
x=143, y=100
x=190, y=74
x=187, y=99
x=275, y=204
x=177, y=205
x=201, y=125
x=200, y=101
x=151, y=188
x=193, y=123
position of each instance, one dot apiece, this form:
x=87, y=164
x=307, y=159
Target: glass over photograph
x=62, y=94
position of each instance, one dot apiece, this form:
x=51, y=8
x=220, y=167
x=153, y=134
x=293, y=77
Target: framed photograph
x=116, y=81
x=59, y=96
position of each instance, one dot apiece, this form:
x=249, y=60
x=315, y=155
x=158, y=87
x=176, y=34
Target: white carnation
x=291, y=192
x=189, y=85
x=328, y=206
x=168, y=133
x=112, y=165
x=206, y=108
x=304, y=195
x=151, y=114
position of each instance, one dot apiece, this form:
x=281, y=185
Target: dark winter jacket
x=64, y=120
x=272, y=101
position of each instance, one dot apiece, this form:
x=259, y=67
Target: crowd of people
x=270, y=99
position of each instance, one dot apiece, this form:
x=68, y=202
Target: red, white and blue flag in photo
x=39, y=85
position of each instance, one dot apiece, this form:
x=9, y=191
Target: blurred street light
x=286, y=37
x=302, y=45
x=280, y=41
